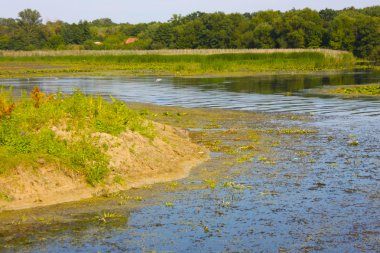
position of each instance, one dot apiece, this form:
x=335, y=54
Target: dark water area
x=266, y=93
x=321, y=195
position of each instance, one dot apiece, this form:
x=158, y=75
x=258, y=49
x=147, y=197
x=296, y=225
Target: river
x=325, y=199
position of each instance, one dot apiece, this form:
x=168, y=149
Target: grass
x=354, y=90
x=6, y=197
x=162, y=52
x=59, y=129
x=177, y=62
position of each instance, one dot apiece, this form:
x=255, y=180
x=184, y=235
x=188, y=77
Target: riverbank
x=58, y=148
x=170, y=62
x=276, y=175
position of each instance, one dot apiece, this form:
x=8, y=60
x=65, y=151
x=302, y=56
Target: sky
x=136, y=11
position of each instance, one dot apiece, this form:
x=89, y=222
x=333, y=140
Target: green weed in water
x=106, y=216
x=352, y=90
x=211, y=183
x=169, y=204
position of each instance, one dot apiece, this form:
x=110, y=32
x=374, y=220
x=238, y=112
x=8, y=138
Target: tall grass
x=179, y=62
x=165, y=52
x=27, y=133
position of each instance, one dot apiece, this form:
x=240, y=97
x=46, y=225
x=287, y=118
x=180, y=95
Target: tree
x=328, y=14
x=30, y=32
x=163, y=36
x=4, y=42
x=263, y=36
x=342, y=32
x=102, y=22
x=367, y=36
x=55, y=42
x=29, y=18
x=76, y=33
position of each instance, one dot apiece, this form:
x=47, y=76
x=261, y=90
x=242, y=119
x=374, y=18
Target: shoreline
x=172, y=75
x=72, y=189
x=84, y=192
x=67, y=159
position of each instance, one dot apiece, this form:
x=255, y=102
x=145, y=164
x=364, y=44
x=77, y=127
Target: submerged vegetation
x=205, y=62
x=354, y=90
x=59, y=129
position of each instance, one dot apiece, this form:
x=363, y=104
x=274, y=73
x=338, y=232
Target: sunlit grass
x=177, y=62
x=59, y=129
x=354, y=90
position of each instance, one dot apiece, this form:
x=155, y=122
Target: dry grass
x=164, y=52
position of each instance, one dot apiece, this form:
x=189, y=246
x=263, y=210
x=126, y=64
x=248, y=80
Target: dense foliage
x=355, y=30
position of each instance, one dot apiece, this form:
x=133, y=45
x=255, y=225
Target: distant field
x=171, y=62
x=165, y=52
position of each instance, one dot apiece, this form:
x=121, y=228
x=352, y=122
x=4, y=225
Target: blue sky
x=135, y=11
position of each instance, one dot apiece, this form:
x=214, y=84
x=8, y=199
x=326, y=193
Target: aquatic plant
x=105, y=216
x=235, y=186
x=245, y=158
x=353, y=142
x=169, y=204
x=225, y=203
x=354, y=90
x=248, y=147
x=302, y=153
x=211, y=183
x=296, y=131
x=173, y=185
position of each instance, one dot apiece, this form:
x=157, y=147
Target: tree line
x=354, y=30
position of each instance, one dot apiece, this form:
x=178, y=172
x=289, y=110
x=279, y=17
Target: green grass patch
x=28, y=131
x=357, y=90
x=188, y=64
x=6, y=197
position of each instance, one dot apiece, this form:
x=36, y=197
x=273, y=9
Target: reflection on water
x=278, y=84
x=267, y=93
x=322, y=195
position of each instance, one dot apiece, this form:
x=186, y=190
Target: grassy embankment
x=26, y=130
x=170, y=62
x=76, y=144
x=353, y=90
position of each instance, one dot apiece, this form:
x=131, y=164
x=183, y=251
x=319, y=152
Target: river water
x=327, y=202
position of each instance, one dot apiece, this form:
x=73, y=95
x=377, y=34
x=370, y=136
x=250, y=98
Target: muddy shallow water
x=278, y=181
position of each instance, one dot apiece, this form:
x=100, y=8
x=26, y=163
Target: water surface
x=322, y=195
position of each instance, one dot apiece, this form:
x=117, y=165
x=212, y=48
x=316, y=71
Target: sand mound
x=135, y=161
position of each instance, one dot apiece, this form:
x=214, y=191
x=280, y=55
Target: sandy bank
x=135, y=161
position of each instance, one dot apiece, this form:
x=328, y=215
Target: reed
x=165, y=52
x=180, y=62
